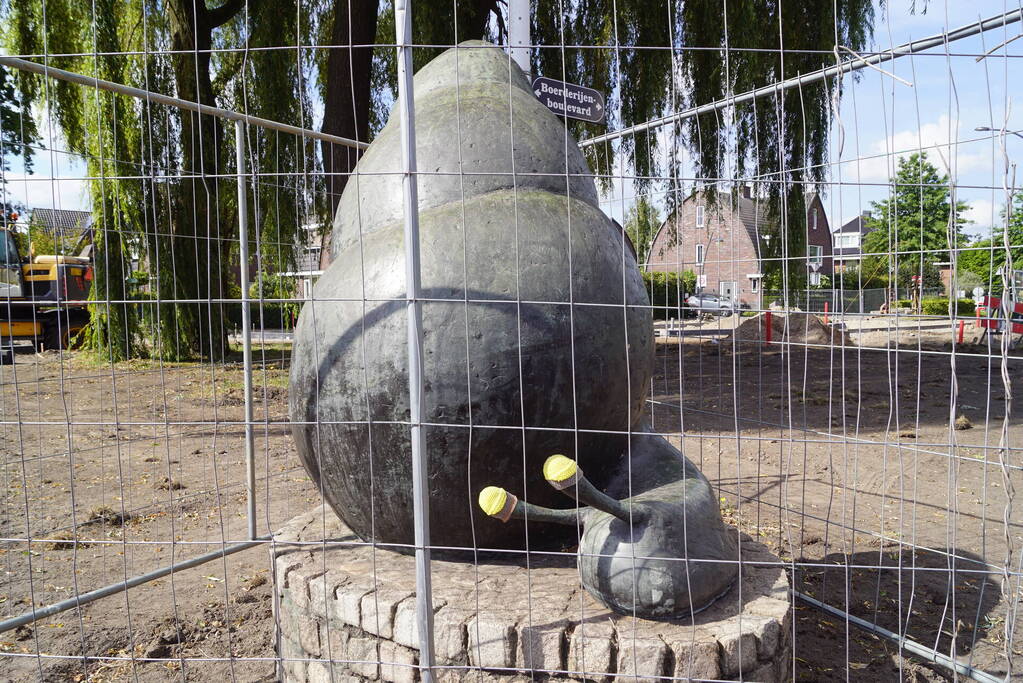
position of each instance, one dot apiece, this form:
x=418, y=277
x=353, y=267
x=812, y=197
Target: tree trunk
x=199, y=256
x=347, y=97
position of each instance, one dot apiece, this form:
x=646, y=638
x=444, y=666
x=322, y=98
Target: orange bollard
x=962, y=326
x=767, y=326
x=825, y=312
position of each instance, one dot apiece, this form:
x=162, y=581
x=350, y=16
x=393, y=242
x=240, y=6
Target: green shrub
x=665, y=290
x=939, y=306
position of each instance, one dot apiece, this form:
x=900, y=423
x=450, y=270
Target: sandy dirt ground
x=846, y=462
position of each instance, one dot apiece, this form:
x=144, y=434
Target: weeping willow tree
x=780, y=140
x=651, y=58
x=718, y=50
x=101, y=127
x=357, y=77
x=157, y=174
x=18, y=136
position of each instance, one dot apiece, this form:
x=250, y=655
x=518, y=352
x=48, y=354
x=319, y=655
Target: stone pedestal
x=346, y=612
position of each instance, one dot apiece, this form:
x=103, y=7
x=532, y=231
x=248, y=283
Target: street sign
x=569, y=99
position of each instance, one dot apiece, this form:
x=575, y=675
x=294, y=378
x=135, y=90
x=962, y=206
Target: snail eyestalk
x=500, y=504
x=565, y=475
x=497, y=502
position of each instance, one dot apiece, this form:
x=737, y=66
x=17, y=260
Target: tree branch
x=221, y=15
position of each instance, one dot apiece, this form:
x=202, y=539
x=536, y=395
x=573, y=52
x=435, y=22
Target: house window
x=815, y=218
x=699, y=254
x=754, y=285
x=815, y=252
x=849, y=240
x=699, y=216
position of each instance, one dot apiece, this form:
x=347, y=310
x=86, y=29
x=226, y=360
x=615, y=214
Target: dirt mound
x=791, y=328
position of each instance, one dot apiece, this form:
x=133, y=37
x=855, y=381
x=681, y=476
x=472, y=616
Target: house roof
x=858, y=224
x=752, y=214
x=62, y=222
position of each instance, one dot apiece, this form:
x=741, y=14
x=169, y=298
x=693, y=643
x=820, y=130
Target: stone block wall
x=346, y=612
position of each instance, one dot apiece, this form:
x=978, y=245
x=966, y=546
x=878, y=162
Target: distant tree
x=980, y=259
x=873, y=276
x=912, y=228
x=986, y=258
x=641, y=223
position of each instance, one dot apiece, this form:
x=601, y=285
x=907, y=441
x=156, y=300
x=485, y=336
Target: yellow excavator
x=42, y=299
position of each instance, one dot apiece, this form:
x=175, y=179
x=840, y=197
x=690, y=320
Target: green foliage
x=967, y=280
x=916, y=223
x=21, y=240
x=667, y=291
x=434, y=22
x=164, y=46
x=939, y=306
x=275, y=286
x=17, y=126
x=873, y=276
x=987, y=257
x=981, y=260
x=641, y=224
x=42, y=241
x=643, y=84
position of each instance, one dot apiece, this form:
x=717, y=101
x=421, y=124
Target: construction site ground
x=846, y=461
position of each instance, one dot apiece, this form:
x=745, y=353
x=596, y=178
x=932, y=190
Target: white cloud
x=39, y=191
x=983, y=213
x=938, y=138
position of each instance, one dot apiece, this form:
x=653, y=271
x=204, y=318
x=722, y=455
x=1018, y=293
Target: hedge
x=964, y=307
x=665, y=289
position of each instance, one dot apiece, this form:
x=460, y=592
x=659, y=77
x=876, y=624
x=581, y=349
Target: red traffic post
x=767, y=326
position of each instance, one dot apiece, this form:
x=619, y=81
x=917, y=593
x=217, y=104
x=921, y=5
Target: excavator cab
x=11, y=284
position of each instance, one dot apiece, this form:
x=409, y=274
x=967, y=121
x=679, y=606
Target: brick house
x=849, y=241
x=722, y=242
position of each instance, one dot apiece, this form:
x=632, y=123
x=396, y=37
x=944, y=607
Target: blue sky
x=882, y=119
x=951, y=95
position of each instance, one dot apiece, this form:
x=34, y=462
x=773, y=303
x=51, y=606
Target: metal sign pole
x=243, y=257
x=519, y=38
x=414, y=309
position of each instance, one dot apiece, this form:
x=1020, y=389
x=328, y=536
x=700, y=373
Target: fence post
x=243, y=257
x=414, y=312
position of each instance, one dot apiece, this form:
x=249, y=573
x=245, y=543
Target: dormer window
x=699, y=216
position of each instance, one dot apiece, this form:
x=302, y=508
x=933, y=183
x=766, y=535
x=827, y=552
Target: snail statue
x=536, y=322
x=537, y=339
x=661, y=553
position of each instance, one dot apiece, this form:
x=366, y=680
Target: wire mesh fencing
x=630, y=341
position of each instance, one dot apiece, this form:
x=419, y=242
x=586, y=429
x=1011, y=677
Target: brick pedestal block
x=346, y=612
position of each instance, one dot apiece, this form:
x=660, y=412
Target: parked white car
x=711, y=304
